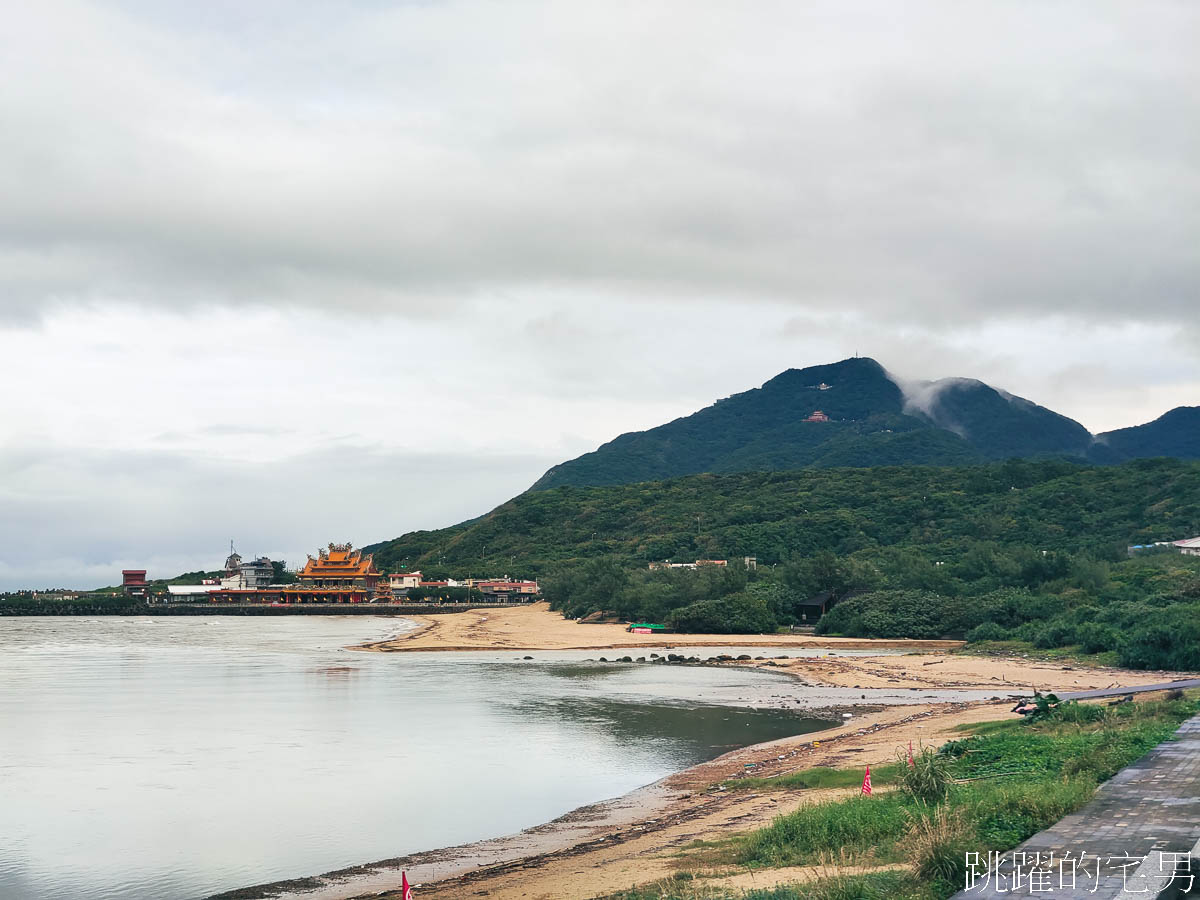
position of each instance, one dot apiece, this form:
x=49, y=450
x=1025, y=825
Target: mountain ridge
x=869, y=417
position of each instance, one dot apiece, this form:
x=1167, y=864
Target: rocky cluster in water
x=678, y=659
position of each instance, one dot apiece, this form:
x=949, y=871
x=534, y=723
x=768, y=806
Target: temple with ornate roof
x=338, y=574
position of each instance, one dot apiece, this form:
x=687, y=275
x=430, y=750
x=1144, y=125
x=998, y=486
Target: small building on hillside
x=506, y=591
x=817, y=416
x=667, y=564
x=1189, y=546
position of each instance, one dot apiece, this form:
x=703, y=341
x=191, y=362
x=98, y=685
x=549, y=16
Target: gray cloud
x=942, y=164
x=435, y=247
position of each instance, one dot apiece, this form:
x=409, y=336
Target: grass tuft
x=938, y=841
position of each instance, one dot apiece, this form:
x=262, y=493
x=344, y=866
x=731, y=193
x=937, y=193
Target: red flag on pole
x=866, y=788
x=911, y=761
x=405, y=890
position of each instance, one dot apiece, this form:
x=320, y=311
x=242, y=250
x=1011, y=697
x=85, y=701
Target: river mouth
x=181, y=757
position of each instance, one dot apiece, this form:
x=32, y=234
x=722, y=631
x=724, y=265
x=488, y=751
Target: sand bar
x=536, y=627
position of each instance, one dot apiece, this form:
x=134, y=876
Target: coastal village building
x=133, y=582
x=252, y=575
x=402, y=581
x=506, y=591
x=338, y=574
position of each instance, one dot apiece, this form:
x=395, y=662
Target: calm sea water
x=178, y=757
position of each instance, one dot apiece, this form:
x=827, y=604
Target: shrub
x=1057, y=633
x=988, y=631
x=928, y=778
x=1169, y=640
x=1095, y=637
x=889, y=614
x=741, y=613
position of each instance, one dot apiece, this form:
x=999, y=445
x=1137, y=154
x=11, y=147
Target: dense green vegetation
x=1059, y=759
x=1021, y=550
x=29, y=603
x=967, y=517
x=871, y=423
x=1144, y=612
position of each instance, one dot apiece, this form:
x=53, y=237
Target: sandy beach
x=535, y=627
x=642, y=837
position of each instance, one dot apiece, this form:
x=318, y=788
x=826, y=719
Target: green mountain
x=1176, y=433
x=1000, y=425
x=869, y=419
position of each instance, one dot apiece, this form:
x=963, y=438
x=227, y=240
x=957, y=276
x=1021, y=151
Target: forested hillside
x=940, y=514
x=1032, y=550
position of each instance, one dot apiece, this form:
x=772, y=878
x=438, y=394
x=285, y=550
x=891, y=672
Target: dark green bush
x=741, y=613
x=928, y=778
x=1168, y=640
x=888, y=614
x=1096, y=637
x=988, y=631
x=1056, y=633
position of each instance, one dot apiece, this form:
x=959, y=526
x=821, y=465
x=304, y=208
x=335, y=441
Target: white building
x=249, y=576
x=1189, y=547
x=402, y=581
x=186, y=593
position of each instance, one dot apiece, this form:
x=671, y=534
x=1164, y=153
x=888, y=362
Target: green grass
x=1012, y=779
x=1054, y=764
x=817, y=777
x=805, y=836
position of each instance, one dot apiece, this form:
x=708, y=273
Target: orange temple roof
x=339, y=560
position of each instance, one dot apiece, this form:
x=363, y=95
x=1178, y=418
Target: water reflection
x=694, y=732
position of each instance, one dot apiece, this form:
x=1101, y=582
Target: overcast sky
x=297, y=272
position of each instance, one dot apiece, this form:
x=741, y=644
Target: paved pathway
x=1121, y=692
x=1142, y=826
